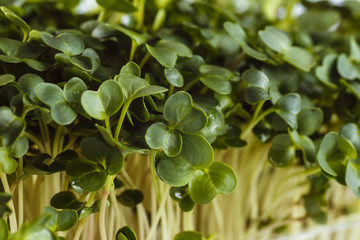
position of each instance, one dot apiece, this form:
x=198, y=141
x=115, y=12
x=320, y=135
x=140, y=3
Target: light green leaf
x=282, y=151
x=159, y=137
x=62, y=113
x=239, y=35
x=300, y=58
x=276, y=39
x=206, y=184
x=6, y=79
x=323, y=72
x=165, y=56
x=174, y=77
x=105, y=102
x=7, y=164
x=346, y=68
x=117, y=5
x=50, y=93
x=16, y=20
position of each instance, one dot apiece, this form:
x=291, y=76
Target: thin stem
x=155, y=179
x=107, y=124
x=21, y=193
x=158, y=215
x=81, y=225
x=12, y=217
x=101, y=16
x=35, y=140
x=255, y=121
x=70, y=143
x=171, y=90
x=121, y=119
x=190, y=84
x=105, y=194
x=258, y=109
x=140, y=14
x=56, y=141
x=132, y=50
x=144, y=60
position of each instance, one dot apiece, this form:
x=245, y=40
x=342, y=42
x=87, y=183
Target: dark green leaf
x=174, y=77
x=65, y=200
x=117, y=5
x=130, y=197
x=282, y=151
x=67, y=43
x=189, y=235
x=125, y=233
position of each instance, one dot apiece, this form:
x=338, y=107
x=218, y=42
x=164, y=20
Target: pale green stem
x=121, y=119
x=80, y=228
x=105, y=194
x=12, y=217
x=107, y=124
x=132, y=50
x=140, y=14
x=101, y=16
x=158, y=215
x=171, y=90
x=56, y=141
x=35, y=140
x=255, y=121
x=21, y=193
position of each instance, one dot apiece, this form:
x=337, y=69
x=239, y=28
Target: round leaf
x=205, y=184
x=309, y=121
x=130, y=197
x=117, y=5
x=126, y=233
x=67, y=43
x=28, y=83
x=165, y=56
x=159, y=137
x=105, y=102
x=174, y=77
x=189, y=235
x=275, y=39
x=49, y=93
x=62, y=113
x=6, y=79
x=282, y=151
x=300, y=58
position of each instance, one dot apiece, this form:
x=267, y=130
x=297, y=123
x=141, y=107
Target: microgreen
x=144, y=104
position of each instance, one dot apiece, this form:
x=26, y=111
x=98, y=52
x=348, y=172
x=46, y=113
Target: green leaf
x=216, y=78
x=135, y=87
x=181, y=49
x=300, y=58
x=6, y=79
x=347, y=68
x=276, y=39
x=95, y=149
x=28, y=83
x=258, y=89
x=67, y=43
x=309, y=121
x=125, y=233
x=8, y=165
x=11, y=126
x=105, y=102
x=323, y=72
x=16, y=20
x=66, y=219
x=350, y=131
x=180, y=112
x=206, y=184
x=62, y=113
x=137, y=38
x=165, y=56
x=329, y=156
x=182, y=196
x=174, y=77
x=65, y=200
x=88, y=173
x=117, y=5
x=130, y=197
x=50, y=93
x=354, y=50
x=196, y=153
x=131, y=68
x=20, y=147
x=282, y=151
x=189, y=235
x=159, y=137
x=305, y=144
x=239, y=35
x=4, y=232
x=73, y=89
x=352, y=177
x=289, y=106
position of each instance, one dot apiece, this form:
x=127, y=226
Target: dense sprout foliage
x=173, y=80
